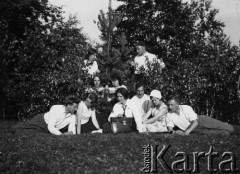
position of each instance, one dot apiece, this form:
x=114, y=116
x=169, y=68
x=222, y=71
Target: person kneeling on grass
x=188, y=121
x=86, y=115
x=57, y=118
x=155, y=119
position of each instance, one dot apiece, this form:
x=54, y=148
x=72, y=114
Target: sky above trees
x=88, y=10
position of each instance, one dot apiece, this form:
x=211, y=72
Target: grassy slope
x=100, y=153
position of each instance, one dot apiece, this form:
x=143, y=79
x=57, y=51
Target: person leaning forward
x=59, y=117
x=188, y=121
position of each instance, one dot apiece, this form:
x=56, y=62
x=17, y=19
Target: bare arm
x=161, y=113
x=79, y=117
x=190, y=128
x=145, y=117
x=79, y=124
x=170, y=129
x=94, y=120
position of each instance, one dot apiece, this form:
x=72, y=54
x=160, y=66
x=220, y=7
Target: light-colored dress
x=161, y=124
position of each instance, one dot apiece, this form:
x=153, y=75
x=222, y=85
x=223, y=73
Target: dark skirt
x=37, y=123
x=102, y=119
x=88, y=127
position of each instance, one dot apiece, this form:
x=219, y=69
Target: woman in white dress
x=155, y=119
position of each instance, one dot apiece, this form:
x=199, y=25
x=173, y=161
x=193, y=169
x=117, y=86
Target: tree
x=42, y=60
x=114, y=57
x=201, y=63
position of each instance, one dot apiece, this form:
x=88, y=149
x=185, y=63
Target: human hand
x=97, y=131
x=68, y=133
x=120, y=115
x=179, y=132
x=131, y=63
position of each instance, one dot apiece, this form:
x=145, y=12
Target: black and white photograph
x=119, y=86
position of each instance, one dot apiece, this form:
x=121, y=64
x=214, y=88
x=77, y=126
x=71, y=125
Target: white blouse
x=84, y=112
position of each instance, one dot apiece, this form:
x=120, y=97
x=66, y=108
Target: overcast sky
x=88, y=10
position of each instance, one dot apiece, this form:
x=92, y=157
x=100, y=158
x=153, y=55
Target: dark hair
x=92, y=83
x=141, y=43
x=117, y=77
x=175, y=98
x=122, y=91
x=92, y=96
x=90, y=52
x=140, y=84
x=96, y=76
x=71, y=99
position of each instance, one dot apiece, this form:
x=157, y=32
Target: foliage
x=113, y=57
x=202, y=65
x=42, y=64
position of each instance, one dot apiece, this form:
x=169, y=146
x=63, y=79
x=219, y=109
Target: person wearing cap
x=143, y=57
x=155, y=119
x=90, y=63
x=141, y=100
x=186, y=120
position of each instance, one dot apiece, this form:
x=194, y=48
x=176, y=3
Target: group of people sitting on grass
x=150, y=113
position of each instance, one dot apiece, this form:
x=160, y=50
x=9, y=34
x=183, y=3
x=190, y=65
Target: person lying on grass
x=86, y=114
x=57, y=118
x=125, y=107
x=188, y=121
x=155, y=119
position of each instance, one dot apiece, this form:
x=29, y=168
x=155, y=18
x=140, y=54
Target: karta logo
x=154, y=159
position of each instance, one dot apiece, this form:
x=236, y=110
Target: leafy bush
x=42, y=63
x=201, y=64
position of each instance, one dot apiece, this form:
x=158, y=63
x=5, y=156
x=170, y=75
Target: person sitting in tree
x=142, y=59
x=59, y=117
x=155, y=119
x=90, y=63
x=186, y=120
x=97, y=87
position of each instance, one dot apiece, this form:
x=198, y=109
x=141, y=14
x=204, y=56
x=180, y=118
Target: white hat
x=156, y=93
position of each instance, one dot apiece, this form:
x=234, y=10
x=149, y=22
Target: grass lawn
x=108, y=153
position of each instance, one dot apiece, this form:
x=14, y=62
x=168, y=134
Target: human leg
x=36, y=123
x=88, y=127
x=102, y=118
x=211, y=123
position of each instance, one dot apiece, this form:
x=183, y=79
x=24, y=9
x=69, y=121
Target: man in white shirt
x=141, y=100
x=187, y=120
x=143, y=58
x=58, y=117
